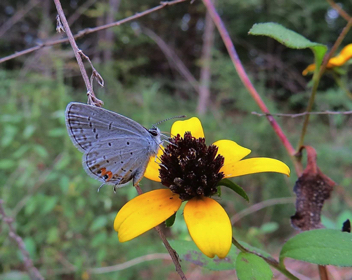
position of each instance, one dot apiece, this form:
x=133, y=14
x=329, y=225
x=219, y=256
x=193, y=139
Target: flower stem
x=271, y=261
x=171, y=251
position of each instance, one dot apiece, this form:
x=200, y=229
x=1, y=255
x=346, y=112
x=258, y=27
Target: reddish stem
x=247, y=83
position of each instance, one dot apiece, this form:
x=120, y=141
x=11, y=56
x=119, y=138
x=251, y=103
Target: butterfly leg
x=100, y=187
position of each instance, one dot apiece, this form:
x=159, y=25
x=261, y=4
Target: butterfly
x=116, y=149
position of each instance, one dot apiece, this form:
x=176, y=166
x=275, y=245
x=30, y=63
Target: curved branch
x=91, y=30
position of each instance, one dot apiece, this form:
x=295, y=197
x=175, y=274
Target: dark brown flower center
x=190, y=168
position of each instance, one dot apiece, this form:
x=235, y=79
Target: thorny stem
x=28, y=264
x=171, y=251
x=316, y=80
x=271, y=261
x=248, y=84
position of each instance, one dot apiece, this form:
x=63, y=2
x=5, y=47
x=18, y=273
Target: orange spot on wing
x=109, y=173
x=102, y=171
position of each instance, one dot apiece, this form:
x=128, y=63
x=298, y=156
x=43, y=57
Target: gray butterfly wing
x=88, y=124
x=119, y=160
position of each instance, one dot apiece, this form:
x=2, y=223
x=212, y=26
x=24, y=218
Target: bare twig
x=92, y=99
x=109, y=34
x=337, y=7
x=171, y=251
x=69, y=268
x=258, y=206
x=174, y=60
x=18, y=16
x=205, y=71
x=121, y=266
x=28, y=264
x=91, y=30
x=81, y=10
x=305, y=113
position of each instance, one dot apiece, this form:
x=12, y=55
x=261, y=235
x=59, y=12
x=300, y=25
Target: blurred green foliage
x=66, y=225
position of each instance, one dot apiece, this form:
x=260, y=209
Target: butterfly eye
x=154, y=131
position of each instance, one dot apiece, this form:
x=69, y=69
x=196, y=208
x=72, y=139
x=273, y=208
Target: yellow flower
x=336, y=61
x=191, y=171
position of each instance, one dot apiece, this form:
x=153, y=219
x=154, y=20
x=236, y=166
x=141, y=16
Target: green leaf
x=98, y=223
x=49, y=202
x=254, y=249
x=289, y=38
x=269, y=227
x=8, y=135
x=320, y=246
x=236, y=188
x=99, y=239
x=57, y=132
x=52, y=235
x=41, y=151
x=28, y=131
x=171, y=220
x=7, y=164
x=30, y=246
x=21, y=151
x=252, y=267
x=188, y=251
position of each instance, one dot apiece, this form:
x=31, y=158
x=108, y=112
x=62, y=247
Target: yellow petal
x=192, y=125
x=145, y=212
x=347, y=52
x=231, y=151
x=209, y=226
x=336, y=61
x=255, y=165
x=310, y=68
x=152, y=171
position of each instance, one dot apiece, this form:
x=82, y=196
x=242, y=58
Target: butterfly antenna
x=175, y=117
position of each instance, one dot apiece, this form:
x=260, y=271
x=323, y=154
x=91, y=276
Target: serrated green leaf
x=236, y=188
x=188, y=251
x=320, y=246
x=252, y=267
x=289, y=38
x=171, y=220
